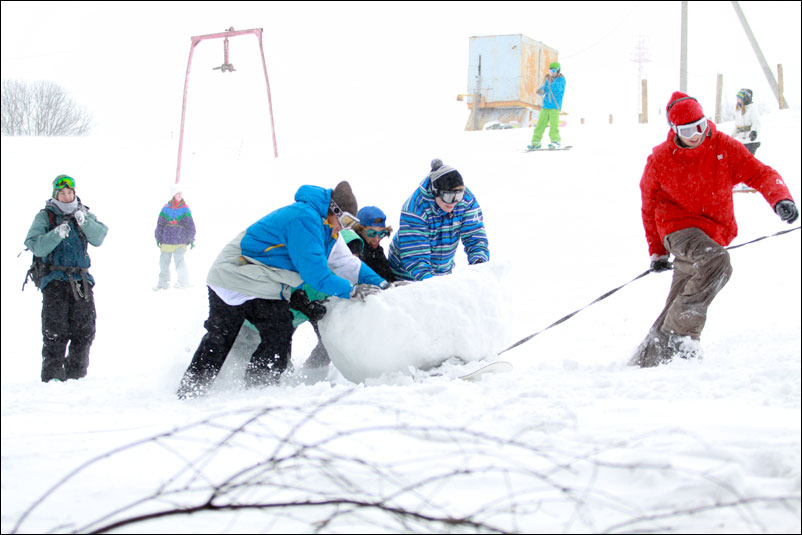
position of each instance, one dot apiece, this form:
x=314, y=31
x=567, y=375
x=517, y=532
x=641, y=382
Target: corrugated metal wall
x=512, y=69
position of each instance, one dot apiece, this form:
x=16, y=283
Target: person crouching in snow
x=372, y=229
x=687, y=211
x=175, y=231
x=254, y=276
x=306, y=303
x=436, y=217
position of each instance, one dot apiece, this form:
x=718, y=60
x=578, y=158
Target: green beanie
x=554, y=65
x=61, y=182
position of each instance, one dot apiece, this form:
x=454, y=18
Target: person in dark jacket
x=258, y=277
x=60, y=235
x=175, y=231
x=687, y=210
x=372, y=228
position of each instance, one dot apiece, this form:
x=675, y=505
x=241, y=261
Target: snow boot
x=684, y=347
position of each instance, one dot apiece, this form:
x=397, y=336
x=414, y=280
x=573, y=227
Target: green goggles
x=370, y=233
x=65, y=182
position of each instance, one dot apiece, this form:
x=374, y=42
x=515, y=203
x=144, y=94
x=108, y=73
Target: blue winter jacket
x=553, y=90
x=427, y=237
x=299, y=238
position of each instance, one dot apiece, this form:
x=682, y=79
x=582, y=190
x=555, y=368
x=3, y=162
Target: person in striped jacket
x=436, y=217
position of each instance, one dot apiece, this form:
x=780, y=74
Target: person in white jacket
x=747, y=121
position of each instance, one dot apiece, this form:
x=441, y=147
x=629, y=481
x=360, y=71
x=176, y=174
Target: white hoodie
x=747, y=122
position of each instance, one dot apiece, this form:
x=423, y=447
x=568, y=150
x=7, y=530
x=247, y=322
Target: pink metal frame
x=225, y=67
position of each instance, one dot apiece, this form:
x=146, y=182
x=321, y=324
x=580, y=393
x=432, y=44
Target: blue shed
x=504, y=73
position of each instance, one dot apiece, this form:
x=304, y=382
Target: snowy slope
x=572, y=440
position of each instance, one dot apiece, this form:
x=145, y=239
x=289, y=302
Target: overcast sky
x=375, y=62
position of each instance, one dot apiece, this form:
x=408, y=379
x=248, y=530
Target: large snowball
x=421, y=324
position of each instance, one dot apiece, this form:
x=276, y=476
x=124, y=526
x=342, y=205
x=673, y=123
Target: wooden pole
x=719, y=88
x=644, y=116
x=780, y=84
x=611, y=118
x=762, y=60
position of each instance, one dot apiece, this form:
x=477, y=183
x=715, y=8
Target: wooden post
x=582, y=120
x=611, y=118
x=719, y=87
x=473, y=119
x=783, y=103
x=644, y=115
x=762, y=60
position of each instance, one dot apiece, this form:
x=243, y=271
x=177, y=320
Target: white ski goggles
x=691, y=129
x=346, y=219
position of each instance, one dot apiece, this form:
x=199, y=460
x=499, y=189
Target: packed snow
x=571, y=440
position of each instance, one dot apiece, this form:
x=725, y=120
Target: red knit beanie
x=682, y=109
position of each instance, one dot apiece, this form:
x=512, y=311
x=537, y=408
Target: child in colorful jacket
x=175, y=230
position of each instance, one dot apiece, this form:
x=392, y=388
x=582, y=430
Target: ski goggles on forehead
x=691, y=129
x=65, y=182
x=450, y=197
x=370, y=233
x=346, y=219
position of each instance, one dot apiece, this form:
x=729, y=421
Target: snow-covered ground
x=572, y=440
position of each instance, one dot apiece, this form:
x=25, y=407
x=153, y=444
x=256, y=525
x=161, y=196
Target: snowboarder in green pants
x=553, y=89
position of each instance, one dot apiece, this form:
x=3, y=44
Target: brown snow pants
x=701, y=269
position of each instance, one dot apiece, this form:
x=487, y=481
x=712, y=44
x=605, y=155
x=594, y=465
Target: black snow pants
x=273, y=320
x=66, y=319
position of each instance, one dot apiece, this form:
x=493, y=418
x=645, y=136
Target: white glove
x=63, y=230
x=80, y=217
x=361, y=291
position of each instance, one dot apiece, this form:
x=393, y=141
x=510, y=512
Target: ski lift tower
x=225, y=67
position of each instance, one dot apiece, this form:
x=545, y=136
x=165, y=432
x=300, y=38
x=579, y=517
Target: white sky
x=330, y=63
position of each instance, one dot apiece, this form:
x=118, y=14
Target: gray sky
x=372, y=62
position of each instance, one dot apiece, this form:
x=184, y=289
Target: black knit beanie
x=444, y=177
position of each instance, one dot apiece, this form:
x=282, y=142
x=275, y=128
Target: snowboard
x=499, y=366
x=546, y=149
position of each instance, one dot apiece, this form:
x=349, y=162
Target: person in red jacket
x=687, y=210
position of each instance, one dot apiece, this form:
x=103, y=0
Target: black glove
x=752, y=135
x=787, y=211
x=660, y=263
x=314, y=310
